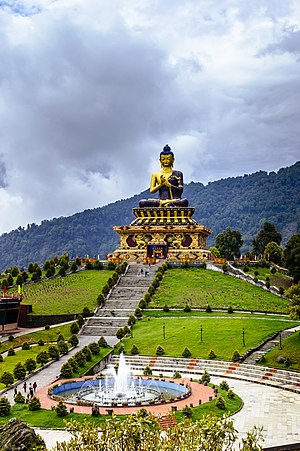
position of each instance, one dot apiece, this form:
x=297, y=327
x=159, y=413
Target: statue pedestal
x=160, y=233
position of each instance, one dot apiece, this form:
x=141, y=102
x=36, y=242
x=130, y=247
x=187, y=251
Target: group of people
x=145, y=272
x=31, y=390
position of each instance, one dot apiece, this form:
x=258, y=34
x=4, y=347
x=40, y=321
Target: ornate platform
x=166, y=232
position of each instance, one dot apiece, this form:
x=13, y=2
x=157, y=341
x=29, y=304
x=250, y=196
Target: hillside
x=242, y=203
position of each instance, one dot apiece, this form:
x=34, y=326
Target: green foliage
x=186, y=352
x=11, y=338
x=267, y=234
x=34, y=404
x=30, y=365
x=80, y=320
x=205, y=377
x=151, y=290
x=177, y=375
x=291, y=255
x=131, y=320
x=166, y=308
x=138, y=313
x=94, y=348
x=159, y=350
x=187, y=308
x=208, y=309
x=142, y=304
x=66, y=370
x=87, y=353
x=4, y=406
x=47, y=327
x=25, y=346
x=41, y=342
x=230, y=310
x=273, y=253
x=134, y=350
x=11, y=352
x=229, y=243
x=60, y=337
x=230, y=394
x=85, y=312
x=147, y=298
x=224, y=385
x=61, y=409
x=147, y=371
x=100, y=299
x=111, y=266
x=120, y=333
x=73, y=340
x=235, y=356
x=42, y=358
x=102, y=342
x=7, y=378
x=74, y=328
x=220, y=403
x=211, y=354
x=19, y=398
x=187, y=412
x=62, y=347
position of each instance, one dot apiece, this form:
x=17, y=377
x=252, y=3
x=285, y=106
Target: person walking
x=25, y=386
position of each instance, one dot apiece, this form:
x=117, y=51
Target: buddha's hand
x=164, y=181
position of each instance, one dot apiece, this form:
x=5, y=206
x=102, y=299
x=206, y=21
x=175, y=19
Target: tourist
x=34, y=386
x=24, y=386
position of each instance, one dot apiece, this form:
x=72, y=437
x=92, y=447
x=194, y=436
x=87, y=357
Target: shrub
x=256, y=273
x=100, y=299
x=7, y=378
x=74, y=328
x=255, y=279
x=230, y=394
x=42, y=358
x=66, y=370
x=131, y=320
x=4, y=406
x=80, y=320
x=230, y=309
x=268, y=284
x=224, y=386
x=147, y=371
x=19, y=398
x=60, y=337
x=138, y=312
x=211, y=354
x=94, y=348
x=102, y=343
x=105, y=290
x=120, y=333
x=235, y=356
x=155, y=283
x=1, y=358
x=87, y=353
x=147, y=298
x=73, y=340
x=30, y=365
x=25, y=346
x=11, y=338
x=220, y=403
x=160, y=350
x=134, y=350
x=151, y=290
x=63, y=347
x=187, y=308
x=208, y=309
x=186, y=352
x=176, y=375
x=72, y=362
x=281, y=291
x=80, y=359
x=142, y=304
x=166, y=308
x=205, y=377
x=246, y=268
x=111, y=266
x=53, y=352
x=11, y=352
x=187, y=412
x=61, y=409
x=225, y=268
x=34, y=404
x=273, y=270
x=159, y=276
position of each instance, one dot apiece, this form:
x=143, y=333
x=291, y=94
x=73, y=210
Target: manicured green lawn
x=69, y=294
x=222, y=335
x=277, y=279
x=199, y=287
x=290, y=349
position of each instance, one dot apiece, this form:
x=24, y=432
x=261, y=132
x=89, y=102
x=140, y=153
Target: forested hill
x=242, y=203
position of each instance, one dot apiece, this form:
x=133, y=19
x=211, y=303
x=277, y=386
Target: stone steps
x=111, y=312
x=107, y=321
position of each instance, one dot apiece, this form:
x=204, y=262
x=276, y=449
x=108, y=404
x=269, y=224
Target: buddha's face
x=166, y=161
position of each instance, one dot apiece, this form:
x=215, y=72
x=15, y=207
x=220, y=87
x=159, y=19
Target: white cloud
x=92, y=90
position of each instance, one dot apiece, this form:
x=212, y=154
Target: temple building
x=163, y=228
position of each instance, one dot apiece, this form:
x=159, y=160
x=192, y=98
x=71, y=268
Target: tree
x=66, y=370
x=30, y=365
x=61, y=409
x=7, y=378
x=267, y=234
x=229, y=243
x=291, y=256
x=73, y=340
x=74, y=328
x=63, y=347
x=94, y=348
x=73, y=267
x=53, y=352
x=273, y=253
x=4, y=406
x=42, y=358
x=34, y=404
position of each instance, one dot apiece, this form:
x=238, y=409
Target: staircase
x=121, y=302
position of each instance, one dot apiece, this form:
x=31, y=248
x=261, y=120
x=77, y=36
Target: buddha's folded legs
x=148, y=203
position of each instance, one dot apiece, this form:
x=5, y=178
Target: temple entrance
x=157, y=250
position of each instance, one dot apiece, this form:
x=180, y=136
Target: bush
x=281, y=291
x=120, y=333
x=220, y=403
x=155, y=283
x=224, y=386
x=211, y=354
x=41, y=342
x=151, y=290
x=34, y=404
x=61, y=409
x=111, y=266
x=187, y=308
x=19, y=398
x=74, y=328
x=236, y=356
x=230, y=309
x=102, y=343
x=85, y=312
x=208, y=309
x=1, y=358
x=66, y=370
x=100, y=299
x=160, y=350
x=255, y=279
x=273, y=270
x=166, y=308
x=94, y=348
x=268, y=284
x=11, y=352
x=62, y=347
x=25, y=346
x=7, y=378
x=246, y=268
x=147, y=298
x=147, y=371
x=142, y=304
x=53, y=352
x=205, y=377
x=80, y=359
x=105, y=290
x=134, y=350
x=60, y=337
x=131, y=320
x=230, y=394
x=176, y=375
x=73, y=340
x=4, y=406
x=186, y=352
x=11, y=338
x=87, y=353
x=80, y=320
x=30, y=365
x=138, y=312
x=187, y=412
x=42, y=358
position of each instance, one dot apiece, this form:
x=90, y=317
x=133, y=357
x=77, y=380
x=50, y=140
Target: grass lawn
x=158, y=313
x=222, y=335
x=199, y=287
x=69, y=294
x=290, y=349
x=277, y=279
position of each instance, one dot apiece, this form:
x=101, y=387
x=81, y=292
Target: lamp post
x=201, y=333
x=280, y=343
x=164, y=331
x=243, y=334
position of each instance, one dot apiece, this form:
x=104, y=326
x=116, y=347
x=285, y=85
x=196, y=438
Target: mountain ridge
x=242, y=202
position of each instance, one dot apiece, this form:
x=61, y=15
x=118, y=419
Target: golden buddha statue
x=168, y=182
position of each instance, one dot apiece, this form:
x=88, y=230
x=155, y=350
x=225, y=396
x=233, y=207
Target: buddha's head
x=166, y=157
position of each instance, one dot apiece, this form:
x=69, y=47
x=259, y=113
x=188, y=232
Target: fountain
x=120, y=388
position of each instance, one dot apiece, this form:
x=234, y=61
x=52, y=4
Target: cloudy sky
x=91, y=90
